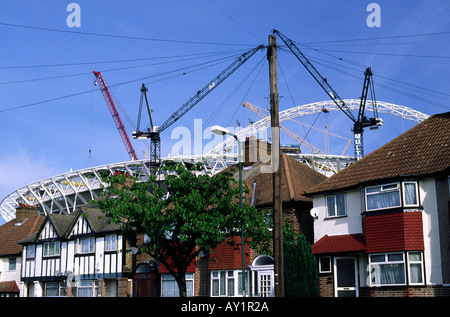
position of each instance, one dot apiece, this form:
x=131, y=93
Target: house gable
x=81, y=226
x=48, y=231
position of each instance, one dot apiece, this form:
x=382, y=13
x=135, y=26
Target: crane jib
x=202, y=93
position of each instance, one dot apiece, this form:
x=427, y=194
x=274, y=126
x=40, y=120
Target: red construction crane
x=116, y=117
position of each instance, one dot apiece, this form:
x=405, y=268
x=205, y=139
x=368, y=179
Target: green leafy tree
x=300, y=266
x=190, y=211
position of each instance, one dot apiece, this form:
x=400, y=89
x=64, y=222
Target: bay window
x=169, y=287
x=392, y=195
x=389, y=269
x=226, y=283
x=383, y=196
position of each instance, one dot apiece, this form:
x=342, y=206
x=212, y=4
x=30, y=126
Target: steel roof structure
x=64, y=193
x=317, y=107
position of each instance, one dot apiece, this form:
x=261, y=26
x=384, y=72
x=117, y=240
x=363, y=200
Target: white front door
x=345, y=277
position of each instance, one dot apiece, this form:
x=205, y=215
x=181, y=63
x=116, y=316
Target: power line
x=114, y=69
x=218, y=61
x=118, y=36
x=123, y=60
x=387, y=54
x=380, y=38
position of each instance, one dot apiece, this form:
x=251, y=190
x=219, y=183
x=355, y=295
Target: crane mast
x=358, y=123
x=116, y=117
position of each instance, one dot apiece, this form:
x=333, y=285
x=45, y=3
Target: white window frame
x=412, y=262
x=111, y=242
x=223, y=278
x=382, y=190
x=168, y=278
x=336, y=215
x=416, y=188
x=55, y=251
x=386, y=261
x=328, y=260
x=91, y=245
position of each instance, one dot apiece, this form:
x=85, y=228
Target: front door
x=345, y=277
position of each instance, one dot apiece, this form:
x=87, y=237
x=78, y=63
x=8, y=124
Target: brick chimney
x=254, y=149
x=24, y=211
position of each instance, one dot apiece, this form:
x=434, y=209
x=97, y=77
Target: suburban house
x=219, y=274
x=26, y=222
x=381, y=225
x=78, y=255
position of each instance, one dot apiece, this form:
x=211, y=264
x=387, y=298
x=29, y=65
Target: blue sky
x=53, y=118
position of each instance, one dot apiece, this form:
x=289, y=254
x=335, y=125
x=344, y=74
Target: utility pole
x=276, y=169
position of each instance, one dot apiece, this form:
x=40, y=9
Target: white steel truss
x=64, y=193
x=317, y=107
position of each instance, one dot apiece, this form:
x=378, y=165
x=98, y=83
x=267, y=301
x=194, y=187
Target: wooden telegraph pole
x=276, y=168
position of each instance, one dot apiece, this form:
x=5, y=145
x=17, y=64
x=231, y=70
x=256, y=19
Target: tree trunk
x=181, y=281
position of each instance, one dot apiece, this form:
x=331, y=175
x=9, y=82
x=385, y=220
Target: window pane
x=416, y=273
x=415, y=256
x=377, y=258
x=215, y=287
x=390, y=187
x=331, y=206
x=12, y=264
x=222, y=283
x=410, y=194
x=383, y=200
x=388, y=274
x=340, y=204
x=230, y=287
x=375, y=189
x=395, y=257
x=324, y=264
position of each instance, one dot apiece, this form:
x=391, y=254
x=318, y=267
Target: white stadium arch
x=64, y=193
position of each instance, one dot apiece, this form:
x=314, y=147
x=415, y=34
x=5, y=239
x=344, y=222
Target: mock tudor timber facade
x=74, y=255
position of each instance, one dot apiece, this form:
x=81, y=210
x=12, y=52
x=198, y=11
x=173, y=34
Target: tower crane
x=153, y=133
x=116, y=117
x=361, y=121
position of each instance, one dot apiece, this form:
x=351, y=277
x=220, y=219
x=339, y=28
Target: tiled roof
x=11, y=233
x=63, y=224
x=340, y=243
x=9, y=287
x=423, y=150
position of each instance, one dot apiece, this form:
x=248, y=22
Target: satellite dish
x=134, y=250
x=314, y=213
